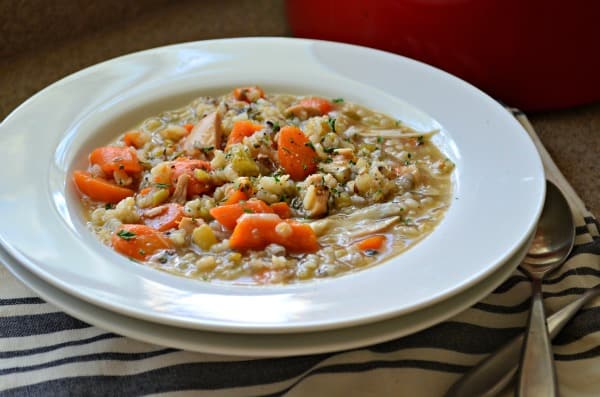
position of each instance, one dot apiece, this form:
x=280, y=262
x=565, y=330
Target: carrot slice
x=139, y=241
x=240, y=130
x=189, y=127
x=99, y=189
x=227, y=215
x=296, y=153
x=320, y=105
x=282, y=209
x=236, y=197
x=167, y=218
x=256, y=231
x=248, y=94
x=185, y=166
x=371, y=243
x=112, y=158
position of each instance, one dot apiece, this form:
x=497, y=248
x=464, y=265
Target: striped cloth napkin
x=44, y=352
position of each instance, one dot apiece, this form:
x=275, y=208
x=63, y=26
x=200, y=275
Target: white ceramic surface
x=498, y=183
x=264, y=345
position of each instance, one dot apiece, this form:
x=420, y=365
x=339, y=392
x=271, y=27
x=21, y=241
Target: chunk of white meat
x=204, y=138
x=315, y=201
x=180, y=193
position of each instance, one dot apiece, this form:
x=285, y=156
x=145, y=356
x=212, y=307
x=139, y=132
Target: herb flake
x=310, y=145
x=126, y=235
x=331, y=123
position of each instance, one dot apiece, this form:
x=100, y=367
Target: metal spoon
x=495, y=372
x=552, y=243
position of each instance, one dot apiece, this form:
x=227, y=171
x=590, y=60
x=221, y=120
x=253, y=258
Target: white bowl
x=497, y=198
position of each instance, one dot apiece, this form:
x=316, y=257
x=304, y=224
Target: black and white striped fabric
x=44, y=352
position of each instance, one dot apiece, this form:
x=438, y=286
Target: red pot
x=533, y=54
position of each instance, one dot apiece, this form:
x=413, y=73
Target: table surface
x=36, y=56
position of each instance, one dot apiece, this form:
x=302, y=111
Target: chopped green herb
x=331, y=123
x=328, y=160
x=142, y=252
x=420, y=140
x=276, y=177
x=208, y=149
x=248, y=211
x=162, y=185
x=409, y=155
x=352, y=162
x=337, y=100
x=379, y=139
x=163, y=259
x=310, y=145
x=329, y=149
x=126, y=235
x=274, y=125
x=109, y=206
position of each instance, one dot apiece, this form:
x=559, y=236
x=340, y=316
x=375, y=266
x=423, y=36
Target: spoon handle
x=537, y=377
x=494, y=373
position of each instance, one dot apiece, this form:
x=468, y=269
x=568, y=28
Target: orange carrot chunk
x=320, y=105
x=189, y=127
x=371, y=243
x=248, y=94
x=99, y=189
x=256, y=231
x=227, y=215
x=282, y=209
x=196, y=185
x=164, y=217
x=296, y=153
x=236, y=197
x=139, y=241
x=112, y=158
x=240, y=130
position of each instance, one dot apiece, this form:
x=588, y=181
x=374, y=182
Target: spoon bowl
x=552, y=243
x=554, y=236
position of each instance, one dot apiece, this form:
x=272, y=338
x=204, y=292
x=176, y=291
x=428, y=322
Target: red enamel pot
x=533, y=54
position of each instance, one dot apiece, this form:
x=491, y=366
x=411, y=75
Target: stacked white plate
x=498, y=195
